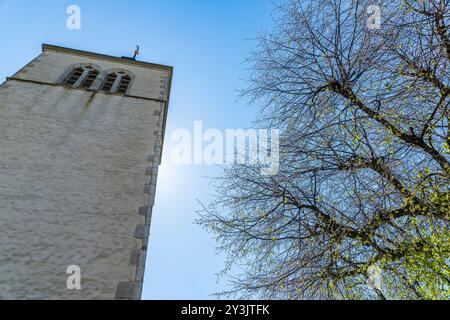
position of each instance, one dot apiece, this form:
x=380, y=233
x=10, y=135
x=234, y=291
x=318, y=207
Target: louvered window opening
x=109, y=82
x=124, y=84
x=74, y=76
x=86, y=77
x=87, y=83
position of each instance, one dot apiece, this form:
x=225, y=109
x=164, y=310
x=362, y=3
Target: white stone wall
x=73, y=169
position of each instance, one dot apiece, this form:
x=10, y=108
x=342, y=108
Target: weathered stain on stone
x=89, y=102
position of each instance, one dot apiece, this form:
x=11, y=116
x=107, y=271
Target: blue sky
x=206, y=42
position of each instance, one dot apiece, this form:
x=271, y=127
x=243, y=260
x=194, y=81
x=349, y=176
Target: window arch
x=124, y=84
x=109, y=82
x=117, y=81
x=81, y=75
x=89, y=76
x=89, y=79
x=73, y=76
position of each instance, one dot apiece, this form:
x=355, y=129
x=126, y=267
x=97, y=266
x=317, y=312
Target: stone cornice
x=48, y=47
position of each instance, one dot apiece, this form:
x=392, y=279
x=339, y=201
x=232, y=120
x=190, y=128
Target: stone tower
x=81, y=137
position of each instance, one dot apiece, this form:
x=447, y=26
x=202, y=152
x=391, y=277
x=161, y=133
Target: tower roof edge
x=49, y=47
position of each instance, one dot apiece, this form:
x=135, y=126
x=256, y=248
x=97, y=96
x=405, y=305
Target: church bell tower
x=81, y=137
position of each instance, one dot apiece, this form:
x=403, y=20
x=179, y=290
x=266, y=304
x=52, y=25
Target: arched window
x=82, y=76
x=89, y=79
x=89, y=76
x=109, y=82
x=117, y=81
x=124, y=84
x=73, y=77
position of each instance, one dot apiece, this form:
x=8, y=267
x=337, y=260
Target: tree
x=364, y=157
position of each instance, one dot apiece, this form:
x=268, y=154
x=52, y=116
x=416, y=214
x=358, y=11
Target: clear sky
x=207, y=42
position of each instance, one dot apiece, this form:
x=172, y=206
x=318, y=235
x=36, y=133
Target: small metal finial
x=136, y=52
